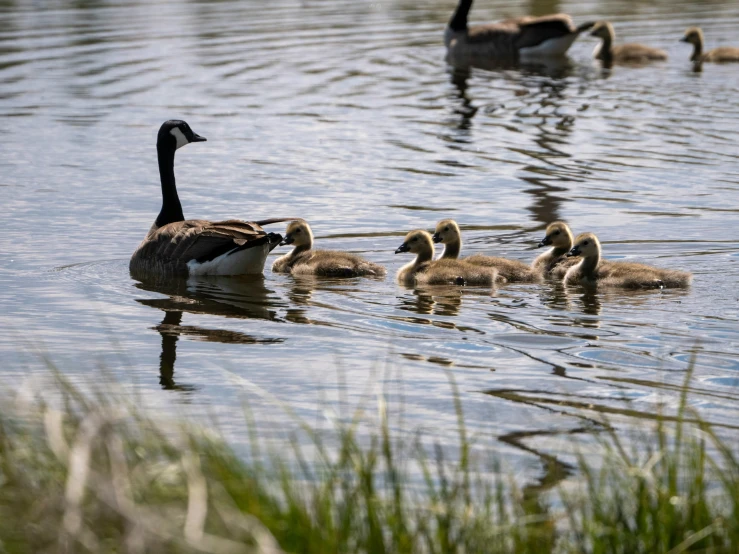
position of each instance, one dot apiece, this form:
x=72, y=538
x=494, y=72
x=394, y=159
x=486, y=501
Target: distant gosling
x=722, y=54
x=303, y=260
x=448, y=233
x=554, y=262
x=623, y=53
x=424, y=271
x=591, y=271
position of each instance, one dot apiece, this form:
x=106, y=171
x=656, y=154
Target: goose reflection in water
x=542, y=91
x=441, y=300
x=230, y=297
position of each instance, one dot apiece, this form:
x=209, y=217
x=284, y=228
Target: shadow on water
x=231, y=297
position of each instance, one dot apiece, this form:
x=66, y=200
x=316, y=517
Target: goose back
x=200, y=247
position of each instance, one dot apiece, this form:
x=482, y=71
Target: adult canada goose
x=591, y=271
x=722, y=54
x=303, y=260
x=549, y=35
x=197, y=247
x=623, y=53
x=448, y=233
x=424, y=271
x=554, y=262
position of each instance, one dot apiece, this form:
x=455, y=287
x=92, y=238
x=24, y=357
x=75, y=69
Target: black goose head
x=175, y=133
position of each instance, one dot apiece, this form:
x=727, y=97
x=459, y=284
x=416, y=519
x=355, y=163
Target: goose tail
x=585, y=27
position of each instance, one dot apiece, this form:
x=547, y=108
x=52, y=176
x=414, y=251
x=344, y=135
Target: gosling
x=424, y=271
x=448, y=233
x=623, y=53
x=554, y=262
x=303, y=260
x=591, y=271
x=722, y=54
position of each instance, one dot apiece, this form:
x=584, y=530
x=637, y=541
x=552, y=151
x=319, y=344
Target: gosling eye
x=296, y=232
x=556, y=232
x=415, y=239
x=446, y=228
x=585, y=243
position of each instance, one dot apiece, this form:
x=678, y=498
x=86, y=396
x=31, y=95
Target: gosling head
x=447, y=231
x=603, y=30
x=586, y=245
x=175, y=133
x=298, y=233
x=417, y=242
x=693, y=35
x=558, y=234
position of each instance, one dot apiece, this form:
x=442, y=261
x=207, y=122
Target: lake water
x=345, y=113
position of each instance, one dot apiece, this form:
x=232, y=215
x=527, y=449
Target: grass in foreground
x=100, y=477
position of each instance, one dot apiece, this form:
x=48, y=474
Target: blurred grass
x=97, y=475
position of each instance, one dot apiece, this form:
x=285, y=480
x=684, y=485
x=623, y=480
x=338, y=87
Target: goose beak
x=436, y=237
x=574, y=252
x=546, y=241
x=287, y=240
x=402, y=248
x=197, y=138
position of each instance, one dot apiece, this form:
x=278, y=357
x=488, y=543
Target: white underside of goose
x=552, y=47
x=242, y=262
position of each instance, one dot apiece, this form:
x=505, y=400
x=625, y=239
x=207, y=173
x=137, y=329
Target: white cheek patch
x=180, y=136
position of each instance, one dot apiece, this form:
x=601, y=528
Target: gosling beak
x=546, y=241
x=287, y=240
x=402, y=248
x=684, y=39
x=436, y=237
x=197, y=138
x=574, y=252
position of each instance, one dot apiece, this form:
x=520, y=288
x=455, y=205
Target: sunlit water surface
x=345, y=113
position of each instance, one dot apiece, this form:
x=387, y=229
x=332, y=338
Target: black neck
x=171, y=207
x=458, y=22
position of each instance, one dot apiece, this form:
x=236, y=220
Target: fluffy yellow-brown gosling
x=303, y=260
x=591, y=271
x=424, y=271
x=522, y=37
x=722, y=54
x=447, y=233
x=554, y=262
x=623, y=53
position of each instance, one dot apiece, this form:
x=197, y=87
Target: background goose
x=623, y=53
x=303, y=260
x=549, y=35
x=554, y=262
x=197, y=247
x=694, y=36
x=424, y=271
x=447, y=233
x=591, y=271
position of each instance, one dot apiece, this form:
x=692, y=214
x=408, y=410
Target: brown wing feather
x=170, y=247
